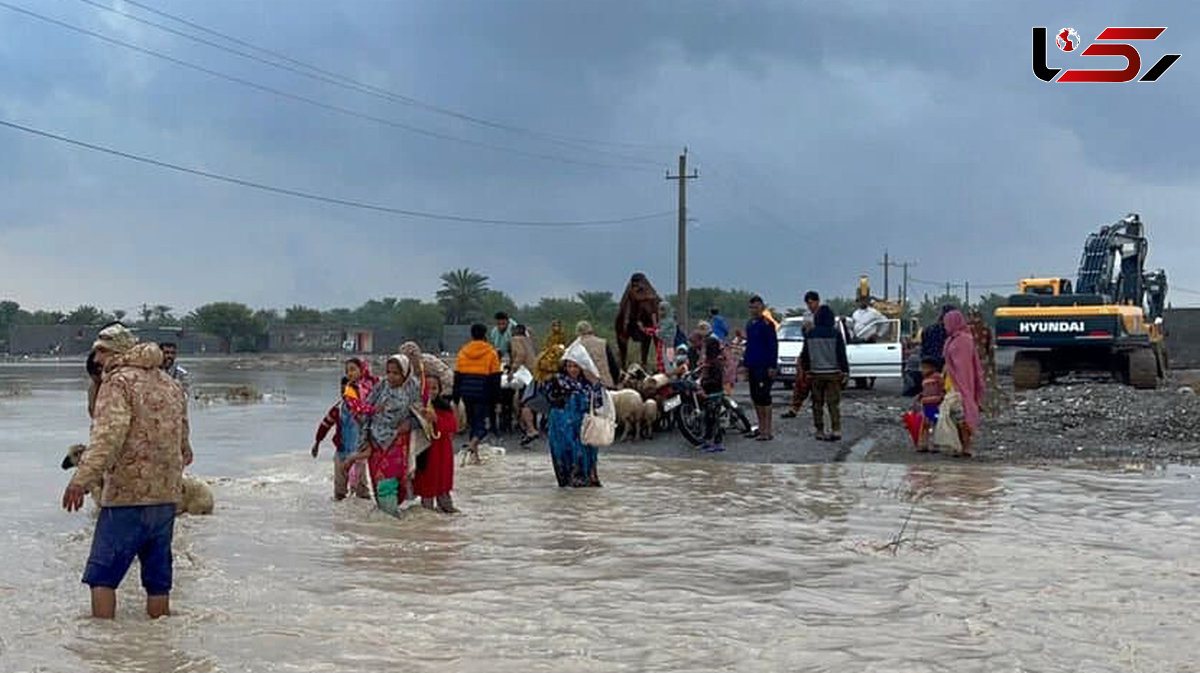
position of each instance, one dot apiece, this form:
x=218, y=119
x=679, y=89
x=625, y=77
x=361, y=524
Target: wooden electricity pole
x=681, y=264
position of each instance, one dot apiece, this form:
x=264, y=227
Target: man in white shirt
x=869, y=323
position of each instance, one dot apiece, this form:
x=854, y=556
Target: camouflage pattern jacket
x=139, y=439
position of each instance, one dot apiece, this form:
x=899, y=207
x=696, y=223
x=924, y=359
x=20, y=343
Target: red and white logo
x=1067, y=39
x=1112, y=41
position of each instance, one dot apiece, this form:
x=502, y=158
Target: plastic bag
x=578, y=354
x=945, y=433
x=913, y=421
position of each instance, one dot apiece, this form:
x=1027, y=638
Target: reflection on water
x=671, y=566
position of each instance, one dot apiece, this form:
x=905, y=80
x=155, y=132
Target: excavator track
x=1027, y=371
x=1143, y=369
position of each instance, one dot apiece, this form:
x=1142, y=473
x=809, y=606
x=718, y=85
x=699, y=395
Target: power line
x=309, y=101
x=368, y=88
x=327, y=77
x=327, y=199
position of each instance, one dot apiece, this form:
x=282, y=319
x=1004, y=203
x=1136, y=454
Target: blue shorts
x=124, y=533
x=931, y=412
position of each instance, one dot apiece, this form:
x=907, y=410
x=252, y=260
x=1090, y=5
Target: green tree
x=301, y=315
x=461, y=295
x=119, y=314
x=987, y=306
x=492, y=302
x=147, y=314
x=931, y=307
x=421, y=321
x=160, y=314
x=46, y=318
x=377, y=313
x=228, y=321
x=601, y=306
x=88, y=315
x=338, y=316
x=842, y=306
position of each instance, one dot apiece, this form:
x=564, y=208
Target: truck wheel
x=1027, y=371
x=1143, y=369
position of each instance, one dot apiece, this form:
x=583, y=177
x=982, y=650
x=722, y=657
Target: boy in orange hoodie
x=477, y=384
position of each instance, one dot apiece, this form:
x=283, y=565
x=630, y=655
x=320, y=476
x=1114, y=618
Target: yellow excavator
x=1111, y=320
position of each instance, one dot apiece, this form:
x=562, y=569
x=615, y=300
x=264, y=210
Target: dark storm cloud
x=824, y=133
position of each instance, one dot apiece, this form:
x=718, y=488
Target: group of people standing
x=394, y=437
x=953, y=384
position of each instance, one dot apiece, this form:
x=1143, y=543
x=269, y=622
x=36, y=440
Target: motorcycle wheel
x=689, y=418
x=738, y=420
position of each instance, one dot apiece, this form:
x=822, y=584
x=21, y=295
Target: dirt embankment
x=1080, y=420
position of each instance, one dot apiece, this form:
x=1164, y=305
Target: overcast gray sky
x=824, y=132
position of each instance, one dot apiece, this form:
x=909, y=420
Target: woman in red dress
x=435, y=466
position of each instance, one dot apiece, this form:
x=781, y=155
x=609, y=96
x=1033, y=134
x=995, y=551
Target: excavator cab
x=1052, y=287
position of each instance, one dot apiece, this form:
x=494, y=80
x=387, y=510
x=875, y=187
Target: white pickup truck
x=881, y=359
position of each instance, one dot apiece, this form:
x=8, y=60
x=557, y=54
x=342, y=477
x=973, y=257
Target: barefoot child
x=435, y=466
x=933, y=391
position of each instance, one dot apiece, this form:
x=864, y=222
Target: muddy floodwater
x=673, y=566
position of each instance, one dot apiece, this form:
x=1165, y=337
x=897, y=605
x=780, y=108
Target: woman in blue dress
x=572, y=393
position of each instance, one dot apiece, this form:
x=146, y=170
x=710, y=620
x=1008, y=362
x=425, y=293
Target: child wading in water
x=933, y=391
x=435, y=466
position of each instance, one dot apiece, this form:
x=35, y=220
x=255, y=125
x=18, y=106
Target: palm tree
x=599, y=304
x=162, y=314
x=461, y=293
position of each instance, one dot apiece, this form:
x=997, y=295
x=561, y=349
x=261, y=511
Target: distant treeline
x=465, y=297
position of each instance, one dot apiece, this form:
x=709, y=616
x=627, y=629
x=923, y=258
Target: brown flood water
x=673, y=566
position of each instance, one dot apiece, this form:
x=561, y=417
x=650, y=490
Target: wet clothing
x=124, y=533
x=435, y=465
x=332, y=421
x=389, y=467
x=390, y=408
x=139, y=438
x=574, y=462
x=933, y=389
x=477, y=372
x=963, y=369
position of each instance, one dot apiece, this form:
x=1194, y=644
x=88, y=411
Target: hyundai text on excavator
x=1110, y=321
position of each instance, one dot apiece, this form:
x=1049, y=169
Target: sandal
x=789, y=414
x=821, y=436
x=764, y=438
x=754, y=434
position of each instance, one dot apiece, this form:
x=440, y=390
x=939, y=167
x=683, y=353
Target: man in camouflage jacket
x=137, y=451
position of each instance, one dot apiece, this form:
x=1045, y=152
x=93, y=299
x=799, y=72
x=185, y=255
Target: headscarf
x=578, y=354
x=556, y=337
x=963, y=366
x=393, y=406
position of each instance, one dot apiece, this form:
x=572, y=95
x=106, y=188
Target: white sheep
x=629, y=408
x=649, y=418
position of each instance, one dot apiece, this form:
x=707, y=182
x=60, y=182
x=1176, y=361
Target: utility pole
x=887, y=265
x=681, y=316
x=967, y=291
